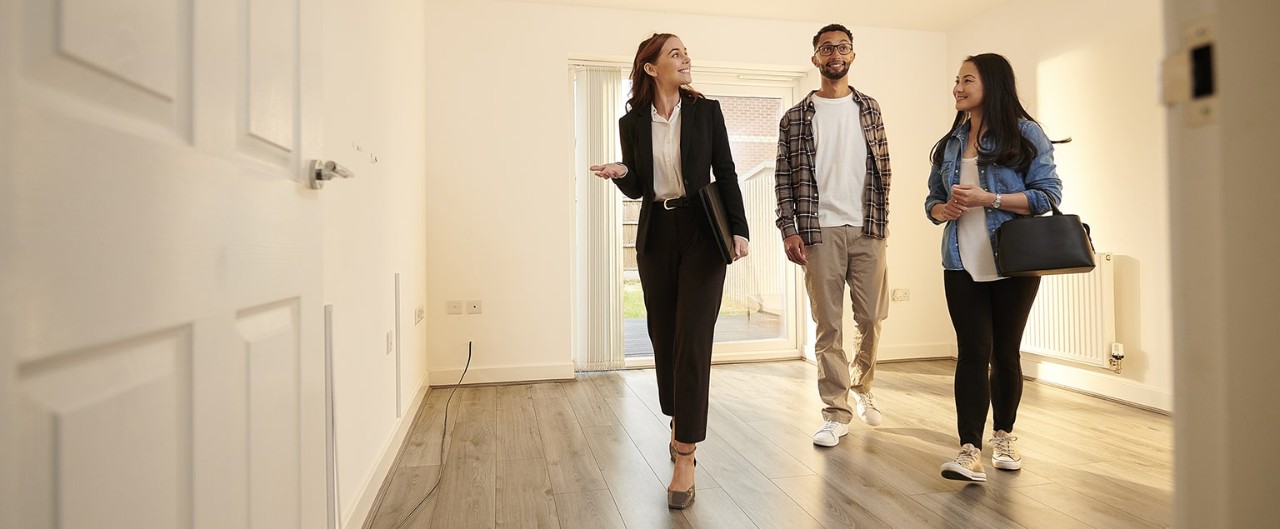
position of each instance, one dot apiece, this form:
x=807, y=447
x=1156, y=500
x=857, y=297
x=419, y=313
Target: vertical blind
x=598, y=300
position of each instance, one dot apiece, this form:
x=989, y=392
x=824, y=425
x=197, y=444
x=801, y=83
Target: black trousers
x=988, y=318
x=683, y=279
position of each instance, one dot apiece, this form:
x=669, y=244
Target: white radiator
x=1074, y=316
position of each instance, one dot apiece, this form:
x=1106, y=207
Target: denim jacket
x=1039, y=183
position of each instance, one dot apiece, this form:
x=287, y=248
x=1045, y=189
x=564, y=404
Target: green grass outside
x=633, y=302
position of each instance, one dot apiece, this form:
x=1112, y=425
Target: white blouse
x=668, y=179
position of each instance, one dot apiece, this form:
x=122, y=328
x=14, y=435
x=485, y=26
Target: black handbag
x=1038, y=246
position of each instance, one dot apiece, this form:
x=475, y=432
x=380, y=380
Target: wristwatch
x=996, y=203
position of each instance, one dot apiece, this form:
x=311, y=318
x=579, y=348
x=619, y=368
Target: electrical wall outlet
x=902, y=294
x=418, y=314
x=473, y=306
x=453, y=307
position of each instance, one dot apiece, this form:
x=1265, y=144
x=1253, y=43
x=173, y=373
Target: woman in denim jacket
x=973, y=188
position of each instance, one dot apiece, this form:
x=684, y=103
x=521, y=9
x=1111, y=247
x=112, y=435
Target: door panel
x=269, y=339
x=161, y=362
x=272, y=87
x=129, y=57
x=130, y=400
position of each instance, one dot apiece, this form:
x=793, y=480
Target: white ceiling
x=925, y=15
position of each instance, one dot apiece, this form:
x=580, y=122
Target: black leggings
x=988, y=318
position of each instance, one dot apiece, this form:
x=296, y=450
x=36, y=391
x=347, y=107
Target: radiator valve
x=1117, y=356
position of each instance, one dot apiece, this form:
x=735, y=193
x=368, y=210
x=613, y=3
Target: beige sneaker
x=866, y=407
x=1004, y=455
x=967, y=466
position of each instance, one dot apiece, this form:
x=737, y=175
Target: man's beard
x=837, y=75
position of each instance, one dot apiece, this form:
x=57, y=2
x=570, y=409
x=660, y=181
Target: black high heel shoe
x=682, y=499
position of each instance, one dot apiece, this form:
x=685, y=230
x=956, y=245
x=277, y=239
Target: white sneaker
x=1004, y=455
x=867, y=410
x=830, y=433
x=967, y=466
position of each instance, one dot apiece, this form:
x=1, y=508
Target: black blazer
x=704, y=149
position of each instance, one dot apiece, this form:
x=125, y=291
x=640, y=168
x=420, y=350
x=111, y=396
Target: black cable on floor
x=444, y=430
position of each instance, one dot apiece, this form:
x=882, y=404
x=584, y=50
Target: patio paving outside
x=729, y=328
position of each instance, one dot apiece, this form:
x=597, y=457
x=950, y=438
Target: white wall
x=500, y=208
x=374, y=227
x=1089, y=70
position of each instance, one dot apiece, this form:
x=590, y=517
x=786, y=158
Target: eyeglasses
x=826, y=49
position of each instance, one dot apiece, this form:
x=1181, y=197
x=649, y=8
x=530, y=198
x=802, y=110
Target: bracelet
x=996, y=203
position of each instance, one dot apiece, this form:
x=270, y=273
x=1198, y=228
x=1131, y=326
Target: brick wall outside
x=753, y=122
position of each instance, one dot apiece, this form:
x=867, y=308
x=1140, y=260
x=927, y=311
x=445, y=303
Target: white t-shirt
x=971, y=232
x=840, y=163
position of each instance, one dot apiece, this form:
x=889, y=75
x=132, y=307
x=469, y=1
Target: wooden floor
x=592, y=453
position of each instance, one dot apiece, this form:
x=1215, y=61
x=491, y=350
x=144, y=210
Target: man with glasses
x=833, y=205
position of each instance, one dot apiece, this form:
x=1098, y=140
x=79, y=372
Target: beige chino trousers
x=846, y=256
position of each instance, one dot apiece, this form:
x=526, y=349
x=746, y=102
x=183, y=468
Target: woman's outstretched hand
x=609, y=170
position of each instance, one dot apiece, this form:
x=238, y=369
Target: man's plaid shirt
x=796, y=187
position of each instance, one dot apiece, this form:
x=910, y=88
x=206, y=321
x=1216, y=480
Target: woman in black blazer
x=673, y=139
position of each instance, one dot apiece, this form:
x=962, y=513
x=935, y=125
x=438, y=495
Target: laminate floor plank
x=589, y=509
x=588, y=405
x=423, y=445
x=1081, y=507
x=524, y=498
x=408, y=489
x=992, y=507
x=570, y=463
x=831, y=507
x=468, y=482
x=517, y=428
x=714, y=509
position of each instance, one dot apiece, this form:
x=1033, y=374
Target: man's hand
x=796, y=253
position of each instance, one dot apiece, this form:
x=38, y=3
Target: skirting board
x=1104, y=384
x=373, y=483
x=917, y=351
x=493, y=375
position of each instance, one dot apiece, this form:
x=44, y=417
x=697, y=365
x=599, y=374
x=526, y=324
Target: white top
x=840, y=163
x=971, y=232
x=668, y=179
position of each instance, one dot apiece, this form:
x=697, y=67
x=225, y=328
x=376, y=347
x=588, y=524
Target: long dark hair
x=643, y=85
x=1001, y=110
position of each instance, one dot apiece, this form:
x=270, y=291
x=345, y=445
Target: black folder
x=714, y=206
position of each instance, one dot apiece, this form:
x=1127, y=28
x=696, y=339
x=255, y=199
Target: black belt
x=673, y=203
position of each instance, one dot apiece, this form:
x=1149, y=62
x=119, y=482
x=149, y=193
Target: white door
x=161, y=354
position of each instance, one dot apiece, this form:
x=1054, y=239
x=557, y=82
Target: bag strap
x=1053, y=204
